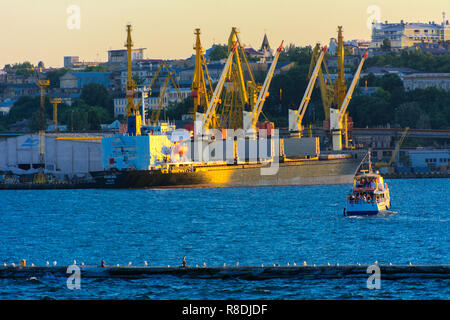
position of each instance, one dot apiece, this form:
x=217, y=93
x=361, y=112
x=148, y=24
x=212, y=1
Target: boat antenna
x=370, y=160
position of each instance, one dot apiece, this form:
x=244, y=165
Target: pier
x=389, y=272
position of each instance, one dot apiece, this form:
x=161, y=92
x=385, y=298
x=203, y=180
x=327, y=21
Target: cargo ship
x=155, y=161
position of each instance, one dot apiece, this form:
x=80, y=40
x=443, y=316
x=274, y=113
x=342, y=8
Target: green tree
x=218, y=52
x=386, y=45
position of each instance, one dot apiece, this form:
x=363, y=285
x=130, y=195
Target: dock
x=242, y=272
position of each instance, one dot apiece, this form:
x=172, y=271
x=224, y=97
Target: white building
x=403, y=35
x=426, y=80
x=152, y=102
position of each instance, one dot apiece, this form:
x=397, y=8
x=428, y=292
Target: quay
x=389, y=272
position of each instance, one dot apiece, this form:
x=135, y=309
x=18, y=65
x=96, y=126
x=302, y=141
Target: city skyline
x=48, y=30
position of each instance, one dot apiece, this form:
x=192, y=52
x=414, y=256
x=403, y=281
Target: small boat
x=369, y=195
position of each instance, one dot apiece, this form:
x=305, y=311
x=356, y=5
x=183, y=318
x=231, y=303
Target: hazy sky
x=34, y=30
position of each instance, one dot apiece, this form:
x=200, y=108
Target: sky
x=48, y=30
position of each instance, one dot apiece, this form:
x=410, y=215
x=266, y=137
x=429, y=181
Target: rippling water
x=252, y=226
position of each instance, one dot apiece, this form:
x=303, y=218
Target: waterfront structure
x=152, y=102
x=120, y=56
x=425, y=158
x=62, y=156
x=74, y=62
x=405, y=34
x=426, y=80
x=77, y=80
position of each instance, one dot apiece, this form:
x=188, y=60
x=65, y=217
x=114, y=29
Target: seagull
x=129, y=263
x=74, y=261
x=390, y=263
x=376, y=262
x=4, y=264
x=54, y=263
x=410, y=263
x=262, y=265
x=204, y=264
x=288, y=264
x=328, y=263
x=117, y=265
x=145, y=263
x=168, y=266
x=82, y=264
x=295, y=264
x=337, y=264
x=304, y=263
x=48, y=263
x=32, y=264
x=13, y=264
x=224, y=265
x=314, y=265
x=196, y=265
x=237, y=264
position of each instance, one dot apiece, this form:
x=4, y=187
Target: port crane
x=239, y=93
x=208, y=117
x=201, y=93
x=154, y=118
x=326, y=86
x=296, y=116
x=394, y=153
x=338, y=118
x=250, y=119
x=55, y=103
x=42, y=84
x=134, y=116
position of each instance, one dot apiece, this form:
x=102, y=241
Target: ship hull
x=305, y=172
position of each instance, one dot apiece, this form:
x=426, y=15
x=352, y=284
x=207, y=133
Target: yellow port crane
x=296, y=116
x=42, y=84
x=394, y=153
x=55, y=103
x=326, y=86
x=201, y=93
x=250, y=119
x=338, y=117
x=208, y=117
x=154, y=118
x=239, y=94
x=134, y=116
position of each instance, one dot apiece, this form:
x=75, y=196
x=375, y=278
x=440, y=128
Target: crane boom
x=337, y=116
x=210, y=111
x=251, y=118
x=296, y=117
x=349, y=94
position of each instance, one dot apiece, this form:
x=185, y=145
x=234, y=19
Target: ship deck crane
x=337, y=116
x=250, y=119
x=296, y=116
x=208, y=117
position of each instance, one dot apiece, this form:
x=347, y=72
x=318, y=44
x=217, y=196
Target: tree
x=218, y=52
x=386, y=45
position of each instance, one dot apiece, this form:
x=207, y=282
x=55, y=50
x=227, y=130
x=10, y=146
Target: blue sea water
x=252, y=226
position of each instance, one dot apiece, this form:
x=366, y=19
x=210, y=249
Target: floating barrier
x=242, y=272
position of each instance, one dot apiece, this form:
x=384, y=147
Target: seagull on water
x=48, y=263
x=304, y=263
x=295, y=264
x=74, y=261
x=54, y=263
x=129, y=263
x=145, y=263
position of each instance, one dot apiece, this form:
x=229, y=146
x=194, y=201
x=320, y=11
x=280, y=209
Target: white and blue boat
x=369, y=195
